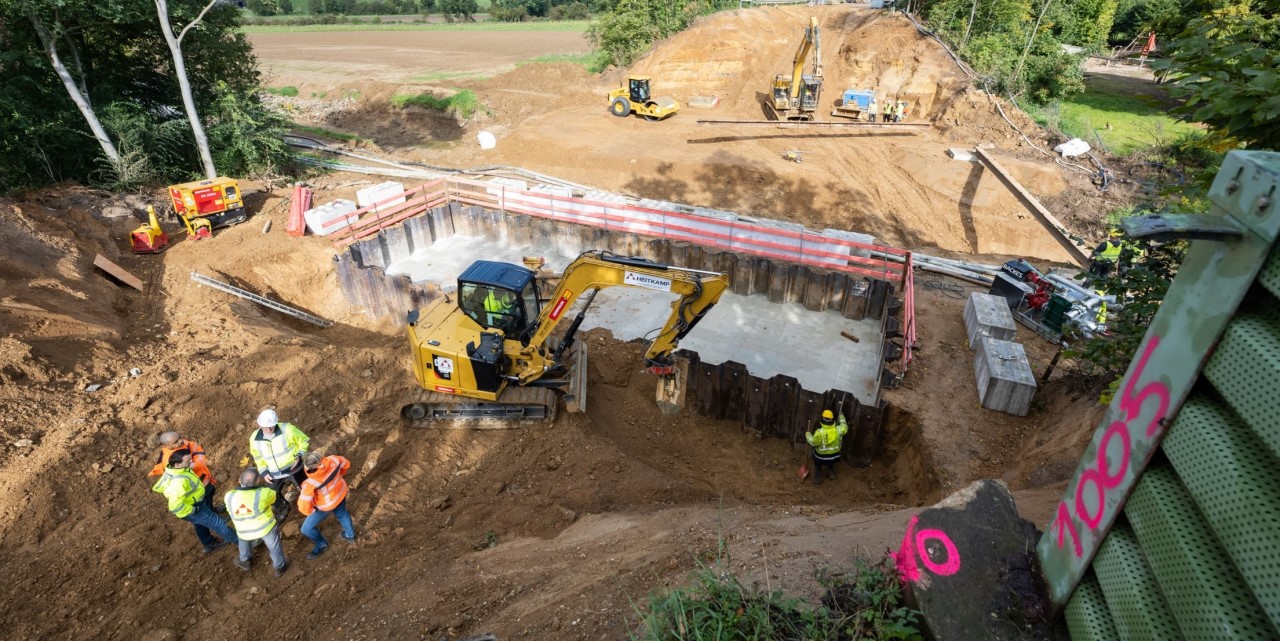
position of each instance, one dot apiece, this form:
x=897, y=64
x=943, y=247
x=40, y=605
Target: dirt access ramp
x=901, y=188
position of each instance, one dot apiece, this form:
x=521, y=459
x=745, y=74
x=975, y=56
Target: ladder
x=265, y=302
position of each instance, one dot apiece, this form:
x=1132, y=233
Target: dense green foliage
x=863, y=604
x=1139, y=289
x=127, y=71
x=996, y=38
x=1137, y=18
x=368, y=7
x=1226, y=64
x=628, y=28
x=460, y=10
x=269, y=7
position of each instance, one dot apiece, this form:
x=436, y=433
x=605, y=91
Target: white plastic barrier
x=379, y=193
x=319, y=218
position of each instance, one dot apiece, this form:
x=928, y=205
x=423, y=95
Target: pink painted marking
x=952, y=564
x=1062, y=521
x=905, y=557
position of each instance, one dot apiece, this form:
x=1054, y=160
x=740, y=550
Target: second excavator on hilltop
x=491, y=356
x=794, y=97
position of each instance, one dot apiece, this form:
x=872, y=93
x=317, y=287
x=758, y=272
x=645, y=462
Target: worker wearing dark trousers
x=826, y=442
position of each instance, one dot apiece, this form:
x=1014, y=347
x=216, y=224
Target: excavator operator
x=500, y=304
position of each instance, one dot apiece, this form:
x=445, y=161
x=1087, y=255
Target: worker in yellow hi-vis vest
x=249, y=507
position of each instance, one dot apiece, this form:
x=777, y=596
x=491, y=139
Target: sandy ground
x=553, y=531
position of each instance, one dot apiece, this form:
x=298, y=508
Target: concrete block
x=704, y=102
x=969, y=565
x=380, y=192
x=1005, y=381
x=320, y=219
x=987, y=315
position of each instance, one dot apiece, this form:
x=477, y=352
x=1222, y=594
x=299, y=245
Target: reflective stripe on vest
x=828, y=440
x=276, y=450
x=253, y=519
x=330, y=492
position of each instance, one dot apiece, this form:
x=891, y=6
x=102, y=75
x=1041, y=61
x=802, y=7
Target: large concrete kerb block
x=987, y=315
x=969, y=566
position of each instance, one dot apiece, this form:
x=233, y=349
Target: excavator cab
x=500, y=296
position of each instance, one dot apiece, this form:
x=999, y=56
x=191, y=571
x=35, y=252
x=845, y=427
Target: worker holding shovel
x=826, y=442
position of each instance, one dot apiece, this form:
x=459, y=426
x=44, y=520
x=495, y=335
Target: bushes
x=627, y=30
x=863, y=604
x=464, y=103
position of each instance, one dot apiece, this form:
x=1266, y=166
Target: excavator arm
x=596, y=270
x=810, y=41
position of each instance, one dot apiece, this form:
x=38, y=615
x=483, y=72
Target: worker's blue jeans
x=311, y=526
x=204, y=520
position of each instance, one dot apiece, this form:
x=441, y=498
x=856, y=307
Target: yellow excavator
x=490, y=354
x=795, y=97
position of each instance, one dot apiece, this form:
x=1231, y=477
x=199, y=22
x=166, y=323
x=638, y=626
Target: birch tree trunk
x=1017, y=73
x=81, y=100
x=969, y=27
x=180, y=70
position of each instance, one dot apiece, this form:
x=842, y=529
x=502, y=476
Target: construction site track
x=450, y=411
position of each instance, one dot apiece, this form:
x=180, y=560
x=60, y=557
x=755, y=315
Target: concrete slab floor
x=768, y=338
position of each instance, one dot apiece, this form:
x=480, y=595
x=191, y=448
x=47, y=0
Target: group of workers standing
x=893, y=110
x=280, y=456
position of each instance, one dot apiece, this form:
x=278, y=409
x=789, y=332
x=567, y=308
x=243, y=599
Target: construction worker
x=1106, y=255
x=888, y=111
x=826, y=443
x=902, y=111
x=171, y=442
x=250, y=509
x=871, y=109
x=277, y=449
x=500, y=304
x=324, y=493
x=180, y=485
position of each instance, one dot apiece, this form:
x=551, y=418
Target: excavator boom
x=795, y=97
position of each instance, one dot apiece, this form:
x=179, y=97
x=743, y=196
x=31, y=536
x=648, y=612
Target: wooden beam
x=1046, y=218
x=117, y=272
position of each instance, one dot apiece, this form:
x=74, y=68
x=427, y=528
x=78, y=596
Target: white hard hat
x=268, y=418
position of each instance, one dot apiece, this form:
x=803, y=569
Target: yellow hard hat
x=1116, y=232
x=828, y=416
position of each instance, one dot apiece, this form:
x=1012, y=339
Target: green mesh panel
x=1087, y=615
x=1269, y=277
x=1246, y=370
x=1133, y=597
x=1236, y=483
x=1207, y=595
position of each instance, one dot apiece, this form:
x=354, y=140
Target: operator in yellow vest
x=1106, y=255
x=826, y=442
x=500, y=304
x=185, y=493
x=277, y=450
x=250, y=509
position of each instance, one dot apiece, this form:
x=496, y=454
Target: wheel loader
x=635, y=98
x=489, y=353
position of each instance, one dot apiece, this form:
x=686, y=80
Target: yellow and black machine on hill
x=489, y=355
x=794, y=97
x=635, y=98
x=205, y=205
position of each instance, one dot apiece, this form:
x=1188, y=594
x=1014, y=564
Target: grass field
x=1122, y=115
x=573, y=26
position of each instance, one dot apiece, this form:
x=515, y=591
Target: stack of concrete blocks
x=380, y=192
x=1005, y=380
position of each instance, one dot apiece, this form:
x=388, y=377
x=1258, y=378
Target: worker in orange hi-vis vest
x=170, y=442
x=324, y=492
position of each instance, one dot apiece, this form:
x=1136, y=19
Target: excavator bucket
x=575, y=395
x=671, y=388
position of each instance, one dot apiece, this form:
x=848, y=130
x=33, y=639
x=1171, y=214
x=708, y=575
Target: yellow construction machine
x=149, y=238
x=795, y=97
x=205, y=205
x=635, y=98
x=489, y=355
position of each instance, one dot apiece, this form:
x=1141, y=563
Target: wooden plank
x=1050, y=222
x=116, y=271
